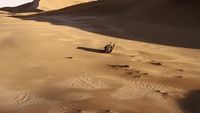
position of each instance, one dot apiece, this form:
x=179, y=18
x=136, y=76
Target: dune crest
x=28, y=7
x=58, y=4
x=43, y=5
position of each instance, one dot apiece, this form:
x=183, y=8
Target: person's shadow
x=91, y=49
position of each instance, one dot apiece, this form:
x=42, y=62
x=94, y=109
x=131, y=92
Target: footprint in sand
x=180, y=70
x=178, y=76
x=107, y=111
x=135, y=74
x=155, y=63
x=131, y=74
x=99, y=111
x=119, y=66
x=161, y=92
x=64, y=109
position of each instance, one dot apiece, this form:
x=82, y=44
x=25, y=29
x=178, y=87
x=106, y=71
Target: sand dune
x=52, y=62
x=165, y=22
x=58, y=4
x=43, y=5
x=154, y=12
x=28, y=7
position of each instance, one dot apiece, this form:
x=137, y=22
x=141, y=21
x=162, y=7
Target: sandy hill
x=58, y=4
x=39, y=5
x=28, y=7
x=52, y=61
x=176, y=12
x=164, y=22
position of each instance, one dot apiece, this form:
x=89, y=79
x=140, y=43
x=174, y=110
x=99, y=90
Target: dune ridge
x=28, y=7
x=58, y=4
x=43, y=5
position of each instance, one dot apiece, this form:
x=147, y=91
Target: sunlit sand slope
x=58, y=4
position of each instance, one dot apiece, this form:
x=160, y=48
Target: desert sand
x=51, y=61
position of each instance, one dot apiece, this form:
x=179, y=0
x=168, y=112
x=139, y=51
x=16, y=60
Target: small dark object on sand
x=161, y=92
x=136, y=71
x=119, y=66
x=109, y=48
x=137, y=76
x=156, y=63
x=180, y=70
x=69, y=57
x=132, y=56
x=178, y=76
x=145, y=73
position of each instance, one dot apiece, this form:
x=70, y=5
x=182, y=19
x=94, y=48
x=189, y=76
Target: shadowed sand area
x=167, y=22
x=52, y=61
x=191, y=102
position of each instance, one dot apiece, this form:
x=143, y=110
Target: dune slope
x=52, y=62
x=43, y=5
x=28, y=7
x=58, y=4
x=166, y=22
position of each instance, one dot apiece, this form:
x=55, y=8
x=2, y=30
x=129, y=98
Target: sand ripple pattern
x=17, y=99
x=158, y=92
x=138, y=89
x=24, y=97
x=85, y=83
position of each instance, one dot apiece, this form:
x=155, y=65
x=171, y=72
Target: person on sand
x=109, y=48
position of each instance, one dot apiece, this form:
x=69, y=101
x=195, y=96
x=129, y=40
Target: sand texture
x=52, y=62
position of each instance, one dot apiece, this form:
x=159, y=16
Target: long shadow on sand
x=173, y=23
x=191, y=103
x=91, y=49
